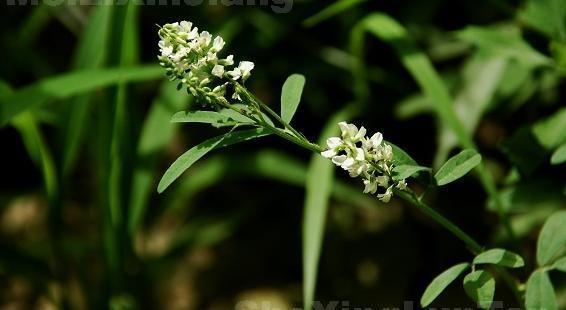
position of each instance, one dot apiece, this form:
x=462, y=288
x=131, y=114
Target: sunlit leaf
x=442, y=281
x=457, y=166
x=560, y=264
x=291, y=96
x=480, y=286
x=499, y=257
x=540, y=292
x=559, y=156
x=552, y=238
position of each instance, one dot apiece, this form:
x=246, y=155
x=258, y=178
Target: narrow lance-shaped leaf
x=291, y=96
x=540, y=292
x=207, y=117
x=457, y=166
x=552, y=238
x=442, y=281
x=480, y=286
x=500, y=257
x=191, y=156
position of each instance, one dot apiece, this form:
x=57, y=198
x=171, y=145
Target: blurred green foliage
x=86, y=135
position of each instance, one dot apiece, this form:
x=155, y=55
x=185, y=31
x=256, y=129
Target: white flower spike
x=192, y=58
x=372, y=159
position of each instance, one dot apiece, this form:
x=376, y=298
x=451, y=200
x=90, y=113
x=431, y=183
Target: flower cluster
x=192, y=58
x=370, y=158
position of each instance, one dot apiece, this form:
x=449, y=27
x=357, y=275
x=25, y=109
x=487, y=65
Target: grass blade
x=156, y=132
x=70, y=84
x=330, y=11
x=318, y=186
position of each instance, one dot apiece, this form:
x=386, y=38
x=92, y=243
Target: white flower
x=218, y=44
x=167, y=51
x=371, y=159
x=229, y=60
x=386, y=153
x=385, y=197
x=334, y=145
x=374, y=141
x=185, y=26
x=370, y=186
x=204, y=39
x=383, y=180
x=246, y=67
x=351, y=132
x=218, y=71
x=235, y=74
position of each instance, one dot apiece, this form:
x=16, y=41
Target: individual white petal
x=193, y=34
x=376, y=139
x=343, y=128
x=339, y=160
x=235, y=74
x=370, y=186
x=347, y=163
x=360, y=134
x=204, y=39
x=387, y=152
x=185, y=26
x=218, y=71
x=383, y=180
x=359, y=154
x=218, y=43
x=229, y=60
x=333, y=142
x=167, y=51
x=246, y=67
x=402, y=185
x=386, y=197
x=329, y=153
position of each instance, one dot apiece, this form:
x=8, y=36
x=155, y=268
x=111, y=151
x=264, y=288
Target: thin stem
x=472, y=244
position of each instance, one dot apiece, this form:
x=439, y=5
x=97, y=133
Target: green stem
x=473, y=245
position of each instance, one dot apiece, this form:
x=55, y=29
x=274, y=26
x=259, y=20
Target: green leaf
x=207, y=117
x=551, y=131
x=546, y=16
x=442, y=281
x=457, y=166
x=191, y=156
x=90, y=54
x=70, y=84
x=401, y=157
x=559, y=156
x=291, y=96
x=505, y=42
x=560, y=264
x=331, y=10
x=320, y=175
x=552, y=238
x=480, y=286
x=405, y=171
x=540, y=292
x=499, y=257
x=155, y=134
